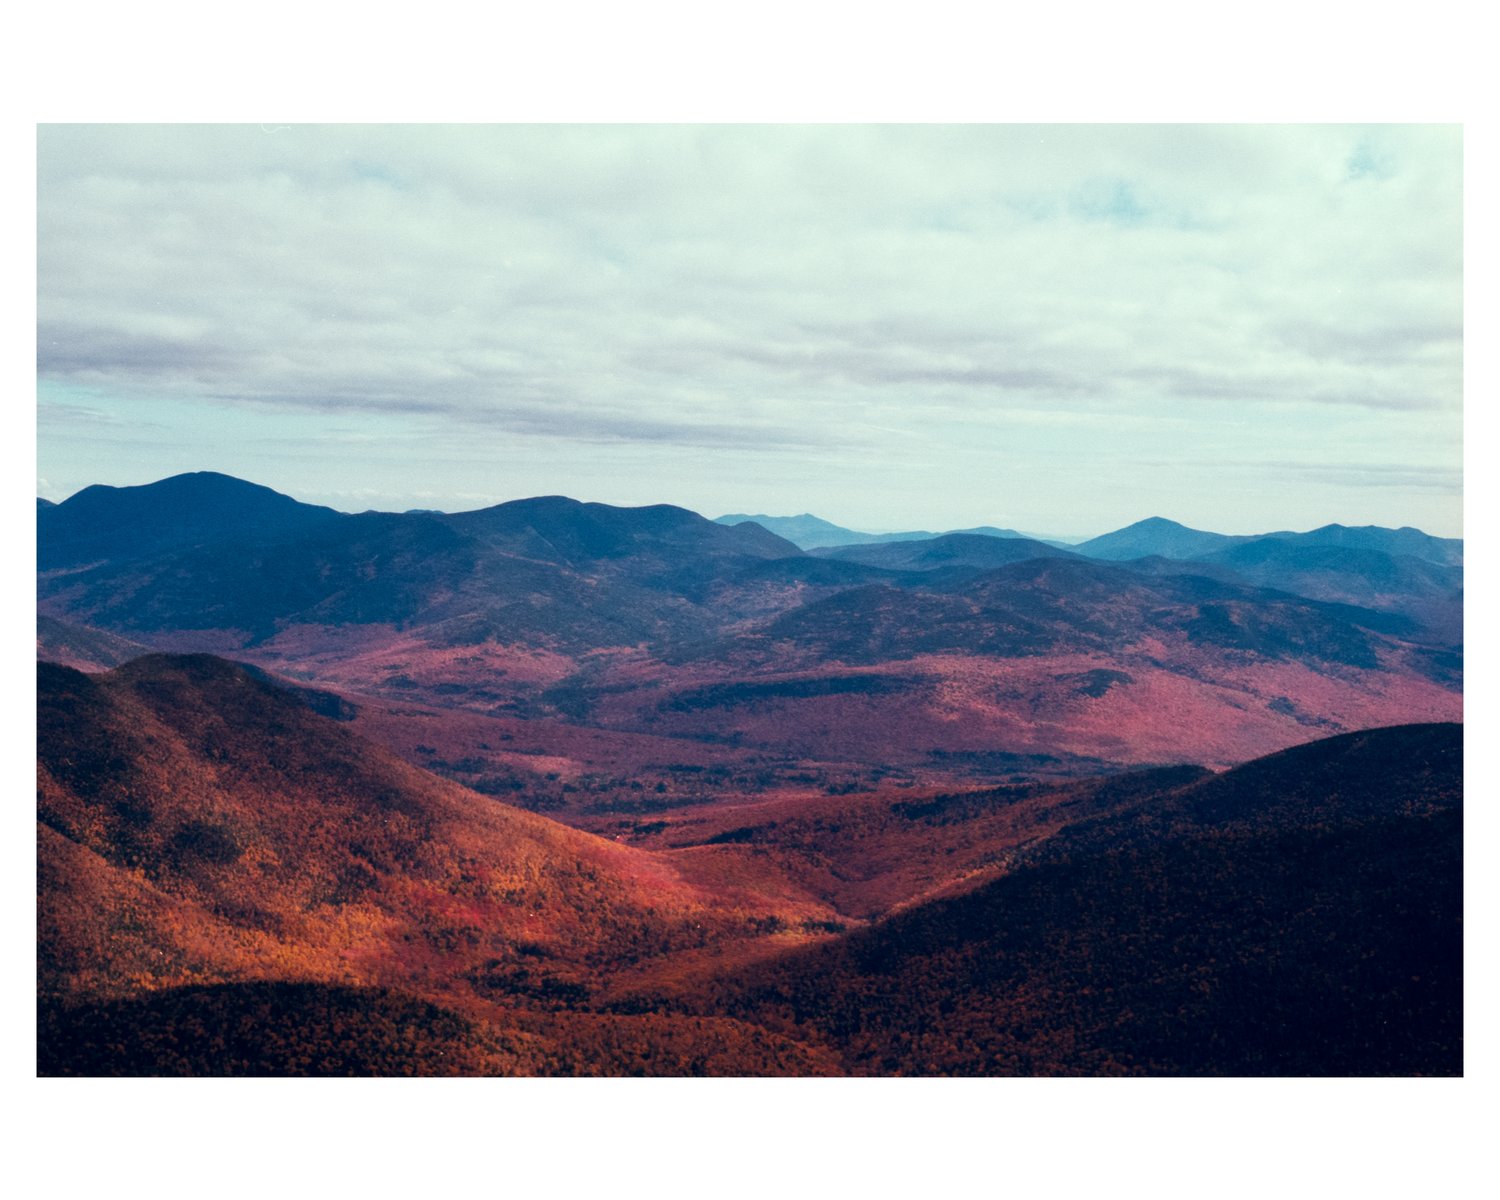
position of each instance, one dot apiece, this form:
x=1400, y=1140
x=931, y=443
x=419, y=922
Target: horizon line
x=1071, y=538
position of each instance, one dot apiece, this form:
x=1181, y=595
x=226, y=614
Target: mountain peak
x=1153, y=536
x=581, y=531
x=183, y=510
x=1162, y=523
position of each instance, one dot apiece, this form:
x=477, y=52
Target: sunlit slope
x=197, y=824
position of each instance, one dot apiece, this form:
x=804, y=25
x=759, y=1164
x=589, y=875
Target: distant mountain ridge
x=1170, y=539
x=208, y=552
x=1393, y=570
x=814, y=533
x=1154, y=537
x=655, y=621
x=207, y=505
x=1405, y=541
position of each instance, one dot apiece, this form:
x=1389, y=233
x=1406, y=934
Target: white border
x=937, y=62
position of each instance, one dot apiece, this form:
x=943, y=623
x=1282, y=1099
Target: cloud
x=735, y=286
x=1398, y=475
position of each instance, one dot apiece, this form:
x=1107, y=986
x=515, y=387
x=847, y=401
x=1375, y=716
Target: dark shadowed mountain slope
x=1306, y=919
x=276, y=1028
x=1401, y=770
x=268, y=1028
x=118, y=523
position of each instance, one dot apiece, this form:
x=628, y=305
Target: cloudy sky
x=1057, y=328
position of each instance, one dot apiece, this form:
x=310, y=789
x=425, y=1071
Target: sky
x=1055, y=328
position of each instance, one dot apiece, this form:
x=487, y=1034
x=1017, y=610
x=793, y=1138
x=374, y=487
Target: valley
x=554, y=787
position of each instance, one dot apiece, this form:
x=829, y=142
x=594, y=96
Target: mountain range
x=562, y=787
x=1154, y=536
x=810, y=533
x=941, y=659
x=1159, y=536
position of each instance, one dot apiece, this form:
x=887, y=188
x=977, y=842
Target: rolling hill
x=201, y=828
